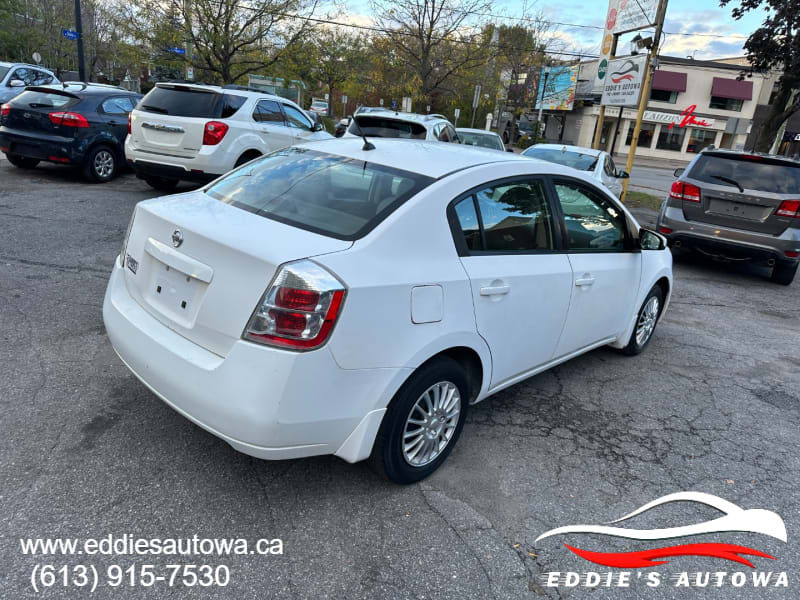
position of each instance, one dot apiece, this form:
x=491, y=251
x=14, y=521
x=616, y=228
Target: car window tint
x=608, y=166
x=444, y=134
x=468, y=222
x=516, y=217
x=388, y=128
x=268, y=111
x=752, y=173
x=116, y=106
x=41, y=78
x=182, y=102
x=37, y=99
x=296, y=119
x=27, y=76
x=593, y=222
x=230, y=104
x=328, y=194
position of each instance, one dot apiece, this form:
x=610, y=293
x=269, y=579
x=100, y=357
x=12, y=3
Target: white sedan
x=332, y=299
x=596, y=163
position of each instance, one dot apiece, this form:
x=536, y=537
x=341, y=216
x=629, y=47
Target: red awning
x=669, y=81
x=732, y=88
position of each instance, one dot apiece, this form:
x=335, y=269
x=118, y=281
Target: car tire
x=162, y=184
x=646, y=321
x=101, y=165
x=22, y=162
x=431, y=396
x=505, y=137
x=784, y=273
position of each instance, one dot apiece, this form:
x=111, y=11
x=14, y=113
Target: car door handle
x=264, y=130
x=495, y=290
x=584, y=281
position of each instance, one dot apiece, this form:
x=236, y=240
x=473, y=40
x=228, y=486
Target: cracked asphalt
x=713, y=405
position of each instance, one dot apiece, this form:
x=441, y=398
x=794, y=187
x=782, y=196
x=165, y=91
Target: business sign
x=623, y=85
x=684, y=119
x=557, y=89
x=605, y=44
x=791, y=136
x=635, y=14
x=70, y=35
x=176, y=50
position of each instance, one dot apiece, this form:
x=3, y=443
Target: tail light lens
x=68, y=119
x=214, y=132
x=129, y=123
x=789, y=208
x=685, y=191
x=665, y=230
x=5, y=109
x=299, y=309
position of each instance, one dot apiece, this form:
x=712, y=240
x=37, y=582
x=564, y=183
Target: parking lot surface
x=712, y=405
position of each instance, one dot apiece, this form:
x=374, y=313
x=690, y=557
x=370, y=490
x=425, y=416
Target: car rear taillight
x=214, y=132
x=664, y=230
x=68, y=119
x=129, y=123
x=789, y=208
x=685, y=191
x=299, y=309
x=5, y=110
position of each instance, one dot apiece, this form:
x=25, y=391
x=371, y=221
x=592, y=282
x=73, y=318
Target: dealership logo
x=734, y=520
x=625, y=73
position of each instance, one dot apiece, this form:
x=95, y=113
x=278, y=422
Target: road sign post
x=456, y=114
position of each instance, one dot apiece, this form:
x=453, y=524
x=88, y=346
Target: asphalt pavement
x=712, y=405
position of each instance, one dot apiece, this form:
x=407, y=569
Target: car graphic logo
x=735, y=519
x=625, y=73
x=26, y=115
x=177, y=238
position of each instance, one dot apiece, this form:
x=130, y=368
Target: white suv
x=199, y=132
x=385, y=123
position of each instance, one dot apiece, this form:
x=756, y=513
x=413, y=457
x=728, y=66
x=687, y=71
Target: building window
x=726, y=103
x=699, y=139
x=671, y=139
x=664, y=96
x=645, y=135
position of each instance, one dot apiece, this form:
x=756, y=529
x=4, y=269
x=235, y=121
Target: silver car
x=15, y=77
x=737, y=206
x=597, y=162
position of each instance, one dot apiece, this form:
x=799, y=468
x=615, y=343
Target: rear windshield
x=481, y=140
x=750, y=172
x=390, y=128
x=336, y=196
x=188, y=102
x=576, y=160
x=39, y=99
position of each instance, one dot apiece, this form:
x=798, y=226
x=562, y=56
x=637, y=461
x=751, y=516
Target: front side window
x=296, y=119
x=27, y=76
x=332, y=195
x=593, y=222
x=42, y=78
x=268, y=111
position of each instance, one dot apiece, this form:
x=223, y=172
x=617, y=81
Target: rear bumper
x=731, y=244
x=266, y=402
x=205, y=166
x=41, y=146
x=145, y=169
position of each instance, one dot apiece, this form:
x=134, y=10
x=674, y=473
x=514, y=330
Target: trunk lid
x=207, y=287
x=742, y=192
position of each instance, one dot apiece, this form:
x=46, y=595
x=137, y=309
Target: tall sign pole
x=608, y=49
x=79, y=29
x=648, y=80
x=187, y=9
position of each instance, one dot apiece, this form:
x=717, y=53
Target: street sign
x=176, y=50
x=69, y=34
x=380, y=101
x=457, y=113
x=190, y=73
x=477, y=96
x=635, y=14
x=623, y=84
x=37, y=58
x=327, y=97
x=344, y=99
x=394, y=104
x=606, y=43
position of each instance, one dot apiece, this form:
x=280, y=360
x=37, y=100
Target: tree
x=774, y=46
x=337, y=56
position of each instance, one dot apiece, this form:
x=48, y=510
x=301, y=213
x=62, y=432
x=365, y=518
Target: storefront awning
x=669, y=81
x=732, y=88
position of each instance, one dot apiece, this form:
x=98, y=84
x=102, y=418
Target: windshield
x=333, y=195
x=751, y=172
x=483, y=140
x=568, y=158
x=319, y=104
x=376, y=126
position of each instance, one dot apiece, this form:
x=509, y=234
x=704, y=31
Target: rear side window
x=230, y=104
x=389, y=128
x=268, y=111
x=336, y=196
x=37, y=99
x=750, y=172
x=117, y=106
x=183, y=102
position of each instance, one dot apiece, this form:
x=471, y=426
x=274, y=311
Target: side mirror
x=16, y=83
x=650, y=240
x=317, y=126
x=678, y=172
x=623, y=175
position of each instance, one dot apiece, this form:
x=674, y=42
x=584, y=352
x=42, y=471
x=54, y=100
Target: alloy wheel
x=103, y=164
x=647, y=321
x=431, y=423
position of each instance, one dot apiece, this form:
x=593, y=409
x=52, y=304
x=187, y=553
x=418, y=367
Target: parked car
x=481, y=138
x=597, y=163
x=319, y=106
x=76, y=124
x=330, y=300
x=402, y=125
x=15, y=77
x=370, y=109
x=342, y=125
x=737, y=206
x=198, y=132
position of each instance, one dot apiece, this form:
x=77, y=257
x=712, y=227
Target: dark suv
x=76, y=124
x=737, y=206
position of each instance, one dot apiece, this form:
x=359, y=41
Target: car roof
x=235, y=91
x=429, y=158
x=475, y=130
x=84, y=89
x=568, y=148
x=404, y=116
x=16, y=64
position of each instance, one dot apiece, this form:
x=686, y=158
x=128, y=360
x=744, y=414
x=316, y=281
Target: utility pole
x=79, y=29
x=546, y=73
x=598, y=132
x=648, y=79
